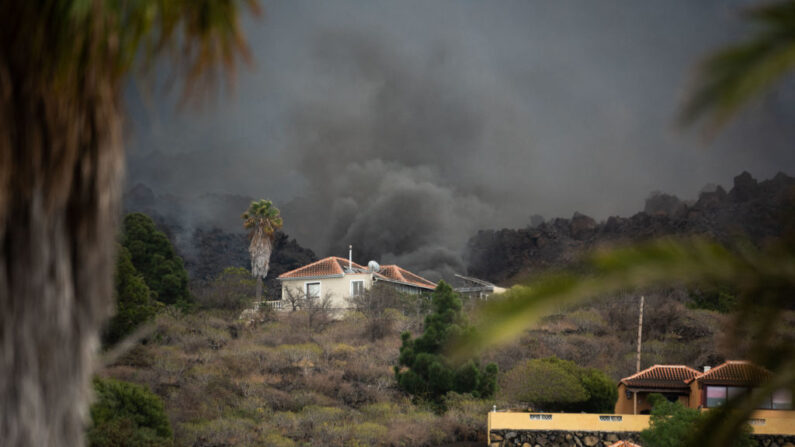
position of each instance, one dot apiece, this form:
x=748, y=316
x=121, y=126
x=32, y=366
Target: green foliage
x=544, y=384
x=127, y=415
x=154, y=257
x=671, y=423
x=134, y=304
x=602, y=391
x=262, y=215
x=230, y=290
x=430, y=374
x=552, y=384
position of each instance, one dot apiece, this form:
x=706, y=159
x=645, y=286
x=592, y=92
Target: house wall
x=763, y=422
x=695, y=395
x=338, y=289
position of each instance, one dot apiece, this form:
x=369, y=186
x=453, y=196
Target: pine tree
x=423, y=369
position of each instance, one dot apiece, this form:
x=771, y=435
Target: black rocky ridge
x=752, y=211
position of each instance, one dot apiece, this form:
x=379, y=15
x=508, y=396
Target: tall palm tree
x=739, y=73
x=262, y=219
x=63, y=66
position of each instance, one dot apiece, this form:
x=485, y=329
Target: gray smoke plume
x=404, y=127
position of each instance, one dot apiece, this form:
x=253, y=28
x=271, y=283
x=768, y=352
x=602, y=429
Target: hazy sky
x=405, y=126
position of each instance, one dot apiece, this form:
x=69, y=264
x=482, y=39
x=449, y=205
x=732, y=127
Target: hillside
x=751, y=210
x=301, y=378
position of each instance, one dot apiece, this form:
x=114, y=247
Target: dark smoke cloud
x=404, y=127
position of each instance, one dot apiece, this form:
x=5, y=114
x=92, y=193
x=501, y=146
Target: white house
x=341, y=278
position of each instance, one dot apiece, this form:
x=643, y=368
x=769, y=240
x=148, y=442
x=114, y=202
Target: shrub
x=127, y=415
x=671, y=424
x=553, y=384
x=230, y=290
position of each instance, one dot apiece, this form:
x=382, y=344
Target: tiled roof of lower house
x=395, y=273
x=735, y=373
x=331, y=266
x=623, y=444
x=662, y=376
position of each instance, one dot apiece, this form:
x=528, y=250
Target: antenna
x=640, y=333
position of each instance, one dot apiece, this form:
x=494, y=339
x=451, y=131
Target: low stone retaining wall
x=555, y=438
x=559, y=438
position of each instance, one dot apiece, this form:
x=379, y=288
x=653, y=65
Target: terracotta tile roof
x=662, y=376
x=623, y=444
x=336, y=266
x=734, y=372
x=331, y=266
x=395, y=273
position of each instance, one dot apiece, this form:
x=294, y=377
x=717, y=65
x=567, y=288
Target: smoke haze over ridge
x=404, y=127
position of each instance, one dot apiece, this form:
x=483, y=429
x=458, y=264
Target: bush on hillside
x=552, y=384
x=127, y=415
x=378, y=305
x=232, y=289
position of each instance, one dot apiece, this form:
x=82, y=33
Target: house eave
x=295, y=278
x=407, y=284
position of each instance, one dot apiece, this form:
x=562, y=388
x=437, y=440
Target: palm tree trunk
x=259, y=289
x=60, y=177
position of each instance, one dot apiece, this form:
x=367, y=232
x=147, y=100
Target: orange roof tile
x=331, y=266
x=623, y=444
x=734, y=372
x=395, y=273
x=662, y=376
x=336, y=266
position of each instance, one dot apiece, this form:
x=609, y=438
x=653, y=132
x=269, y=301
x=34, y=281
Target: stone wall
x=555, y=438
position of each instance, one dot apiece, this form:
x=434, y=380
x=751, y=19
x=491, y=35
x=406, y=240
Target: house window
x=716, y=396
x=357, y=288
x=735, y=392
x=313, y=290
x=782, y=400
x=610, y=418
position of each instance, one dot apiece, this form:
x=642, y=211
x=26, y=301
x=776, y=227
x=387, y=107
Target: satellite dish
x=373, y=266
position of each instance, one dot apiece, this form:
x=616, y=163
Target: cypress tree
x=134, y=304
x=425, y=372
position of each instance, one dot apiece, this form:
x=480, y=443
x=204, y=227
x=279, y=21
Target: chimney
x=350, y=258
x=707, y=368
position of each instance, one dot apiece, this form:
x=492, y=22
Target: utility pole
x=640, y=333
x=637, y=364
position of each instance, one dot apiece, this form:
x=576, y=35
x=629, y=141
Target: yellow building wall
x=763, y=422
x=338, y=289
x=566, y=421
